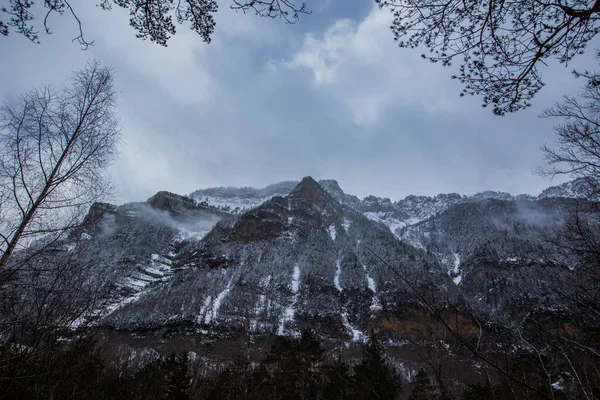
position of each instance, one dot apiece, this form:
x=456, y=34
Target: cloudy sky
x=331, y=97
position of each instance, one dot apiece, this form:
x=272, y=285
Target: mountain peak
x=580, y=188
x=309, y=190
x=331, y=185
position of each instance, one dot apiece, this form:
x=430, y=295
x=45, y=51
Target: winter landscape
x=297, y=206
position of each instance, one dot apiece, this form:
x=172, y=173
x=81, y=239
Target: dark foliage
x=498, y=44
x=293, y=369
x=373, y=376
x=477, y=391
x=75, y=370
x=423, y=389
x=298, y=369
x=152, y=19
x=339, y=381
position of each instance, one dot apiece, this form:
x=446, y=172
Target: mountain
x=295, y=261
x=394, y=214
x=236, y=200
x=224, y=267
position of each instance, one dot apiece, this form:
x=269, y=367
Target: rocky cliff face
x=303, y=260
x=226, y=262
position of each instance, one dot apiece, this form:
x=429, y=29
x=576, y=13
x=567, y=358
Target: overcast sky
x=331, y=97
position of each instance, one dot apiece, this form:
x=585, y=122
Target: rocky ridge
x=307, y=255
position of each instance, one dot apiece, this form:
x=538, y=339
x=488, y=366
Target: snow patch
x=355, y=333
x=370, y=281
x=157, y=258
x=346, y=224
x=338, y=273
x=203, y=309
x=375, y=304
x=211, y=315
x=332, y=232
x=289, y=311
x=558, y=385
x=455, y=271
x=235, y=205
x=155, y=270
x=186, y=234
x=385, y=218
x=296, y=279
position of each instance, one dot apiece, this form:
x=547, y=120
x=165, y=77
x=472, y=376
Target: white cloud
x=144, y=166
x=361, y=66
x=179, y=70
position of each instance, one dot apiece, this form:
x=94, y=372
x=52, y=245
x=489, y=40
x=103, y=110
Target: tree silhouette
x=423, y=389
x=373, y=376
x=54, y=148
x=498, y=44
x=152, y=19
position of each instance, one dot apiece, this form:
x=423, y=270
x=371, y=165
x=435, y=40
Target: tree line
x=294, y=368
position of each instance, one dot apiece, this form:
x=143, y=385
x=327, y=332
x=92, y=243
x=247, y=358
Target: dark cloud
x=330, y=97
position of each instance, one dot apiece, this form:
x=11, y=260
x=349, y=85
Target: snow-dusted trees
x=54, y=148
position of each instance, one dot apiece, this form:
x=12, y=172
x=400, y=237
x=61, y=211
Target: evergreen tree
x=477, y=391
x=179, y=381
x=373, y=376
x=338, y=380
x=294, y=363
x=423, y=389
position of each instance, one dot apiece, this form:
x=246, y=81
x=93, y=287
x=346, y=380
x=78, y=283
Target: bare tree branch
x=152, y=19
x=54, y=149
x=498, y=44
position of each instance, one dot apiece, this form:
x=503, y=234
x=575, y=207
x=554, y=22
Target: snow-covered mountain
x=225, y=262
x=236, y=200
x=294, y=261
x=394, y=214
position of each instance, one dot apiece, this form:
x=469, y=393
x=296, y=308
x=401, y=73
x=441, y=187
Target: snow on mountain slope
x=189, y=276
x=177, y=259
x=236, y=200
x=394, y=214
x=575, y=189
x=258, y=270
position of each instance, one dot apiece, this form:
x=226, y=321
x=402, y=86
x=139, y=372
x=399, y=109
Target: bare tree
x=578, y=146
x=46, y=311
x=499, y=44
x=152, y=19
x=54, y=148
x=577, y=154
x=288, y=10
